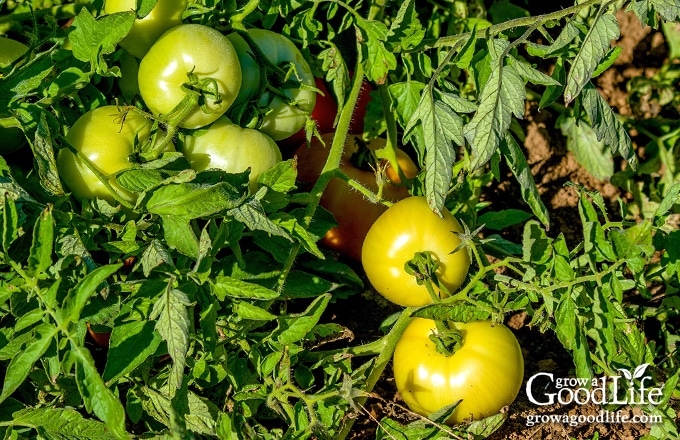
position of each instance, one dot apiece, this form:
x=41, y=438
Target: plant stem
x=388, y=343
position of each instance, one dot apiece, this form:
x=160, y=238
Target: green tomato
x=190, y=55
x=406, y=228
x=231, y=148
x=145, y=31
x=10, y=51
x=107, y=140
x=485, y=373
x=281, y=118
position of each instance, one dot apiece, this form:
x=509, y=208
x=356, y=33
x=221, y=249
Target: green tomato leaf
x=92, y=38
x=294, y=327
x=406, y=31
x=22, y=363
x=378, y=59
x=503, y=219
x=553, y=92
x=180, y=235
x=253, y=216
x=588, y=150
x=281, y=177
x=246, y=310
x=227, y=287
x=40, y=257
x=502, y=97
x=172, y=322
x=77, y=298
x=193, y=200
x=131, y=344
x=520, y=168
x=607, y=126
x=97, y=397
x=43, y=149
x=593, y=48
x=58, y=423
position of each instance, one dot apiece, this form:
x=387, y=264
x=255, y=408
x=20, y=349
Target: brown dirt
x=552, y=165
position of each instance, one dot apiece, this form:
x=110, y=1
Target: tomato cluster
x=189, y=76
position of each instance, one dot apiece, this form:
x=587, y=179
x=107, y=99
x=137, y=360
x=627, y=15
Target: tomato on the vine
x=353, y=212
x=406, y=228
x=231, y=148
x=190, y=56
x=485, y=373
x=10, y=51
x=146, y=30
x=106, y=137
x=285, y=112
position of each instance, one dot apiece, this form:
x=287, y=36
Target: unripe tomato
x=145, y=31
x=233, y=149
x=280, y=119
x=190, y=50
x=485, y=373
x=353, y=212
x=407, y=227
x=107, y=140
x=10, y=51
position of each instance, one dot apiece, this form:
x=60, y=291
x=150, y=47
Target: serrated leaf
x=77, y=297
x=91, y=38
x=24, y=81
x=253, y=216
x=294, y=327
x=568, y=33
x=467, y=52
x=43, y=149
x=97, y=397
x=502, y=97
x=40, y=257
x=193, y=200
x=378, y=59
x=593, y=48
x=58, y=423
x=440, y=127
x=406, y=31
x=671, y=198
x=607, y=126
x=552, y=93
x=587, y=149
x=227, y=287
x=532, y=75
x=246, y=310
x=281, y=177
x=503, y=219
x=520, y=168
x=153, y=256
x=10, y=223
x=179, y=235
x=172, y=323
x=22, y=364
x=131, y=344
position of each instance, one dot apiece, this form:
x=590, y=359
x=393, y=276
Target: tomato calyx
x=197, y=91
x=447, y=340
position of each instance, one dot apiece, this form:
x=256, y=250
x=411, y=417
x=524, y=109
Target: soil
x=552, y=165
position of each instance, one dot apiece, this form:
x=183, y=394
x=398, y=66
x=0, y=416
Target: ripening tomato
x=485, y=373
x=407, y=227
x=280, y=118
x=233, y=149
x=146, y=30
x=353, y=212
x=190, y=51
x=107, y=140
x=10, y=51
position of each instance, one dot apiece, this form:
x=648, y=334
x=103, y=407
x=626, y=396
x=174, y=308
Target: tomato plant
x=283, y=102
x=190, y=76
x=146, y=30
x=352, y=210
x=106, y=139
x=485, y=373
x=231, y=148
x=406, y=228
